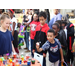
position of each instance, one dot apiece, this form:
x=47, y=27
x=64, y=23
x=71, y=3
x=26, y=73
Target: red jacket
x=40, y=36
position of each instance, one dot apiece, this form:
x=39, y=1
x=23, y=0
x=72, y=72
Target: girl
x=13, y=26
x=6, y=38
x=33, y=26
x=61, y=37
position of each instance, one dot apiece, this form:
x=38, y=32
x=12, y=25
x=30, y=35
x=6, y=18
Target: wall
x=65, y=11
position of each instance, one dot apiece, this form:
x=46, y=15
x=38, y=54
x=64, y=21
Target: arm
x=61, y=53
x=13, y=49
x=44, y=47
x=13, y=28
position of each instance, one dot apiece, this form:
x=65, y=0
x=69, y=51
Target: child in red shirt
x=35, y=22
x=41, y=35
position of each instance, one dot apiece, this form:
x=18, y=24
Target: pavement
x=22, y=50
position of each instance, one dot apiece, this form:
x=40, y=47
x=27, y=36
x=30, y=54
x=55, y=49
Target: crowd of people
x=55, y=36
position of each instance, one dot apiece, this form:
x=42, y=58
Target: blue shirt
x=5, y=42
x=53, y=50
x=54, y=19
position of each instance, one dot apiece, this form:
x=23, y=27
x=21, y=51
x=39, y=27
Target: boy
x=40, y=35
x=54, y=48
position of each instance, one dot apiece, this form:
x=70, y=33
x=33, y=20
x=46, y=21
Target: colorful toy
x=21, y=41
x=21, y=32
x=10, y=60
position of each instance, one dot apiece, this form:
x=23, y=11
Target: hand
x=44, y=55
x=62, y=60
x=37, y=45
x=33, y=51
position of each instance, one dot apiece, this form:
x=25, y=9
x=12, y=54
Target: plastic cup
x=28, y=63
x=15, y=55
x=33, y=61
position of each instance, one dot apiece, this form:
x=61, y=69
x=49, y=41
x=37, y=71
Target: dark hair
x=18, y=24
x=51, y=31
x=11, y=11
x=36, y=12
x=43, y=14
x=64, y=22
x=57, y=25
x=59, y=21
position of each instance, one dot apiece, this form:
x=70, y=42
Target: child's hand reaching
x=37, y=45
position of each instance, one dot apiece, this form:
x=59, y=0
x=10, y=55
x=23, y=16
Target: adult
x=26, y=22
x=13, y=29
x=57, y=16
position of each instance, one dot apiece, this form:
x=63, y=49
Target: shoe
x=27, y=51
x=25, y=48
x=20, y=47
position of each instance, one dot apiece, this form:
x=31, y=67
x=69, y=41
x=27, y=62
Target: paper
x=38, y=57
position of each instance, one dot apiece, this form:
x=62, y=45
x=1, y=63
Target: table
x=37, y=63
x=11, y=63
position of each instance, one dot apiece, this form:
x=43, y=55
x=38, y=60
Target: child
x=40, y=34
x=63, y=23
x=61, y=37
x=33, y=26
x=13, y=26
x=54, y=48
x=18, y=29
x=6, y=38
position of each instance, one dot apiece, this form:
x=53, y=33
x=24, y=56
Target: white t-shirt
x=11, y=23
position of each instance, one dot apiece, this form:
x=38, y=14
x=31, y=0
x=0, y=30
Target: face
x=42, y=20
x=50, y=36
x=54, y=27
x=63, y=26
x=11, y=14
x=56, y=11
x=35, y=17
x=5, y=23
